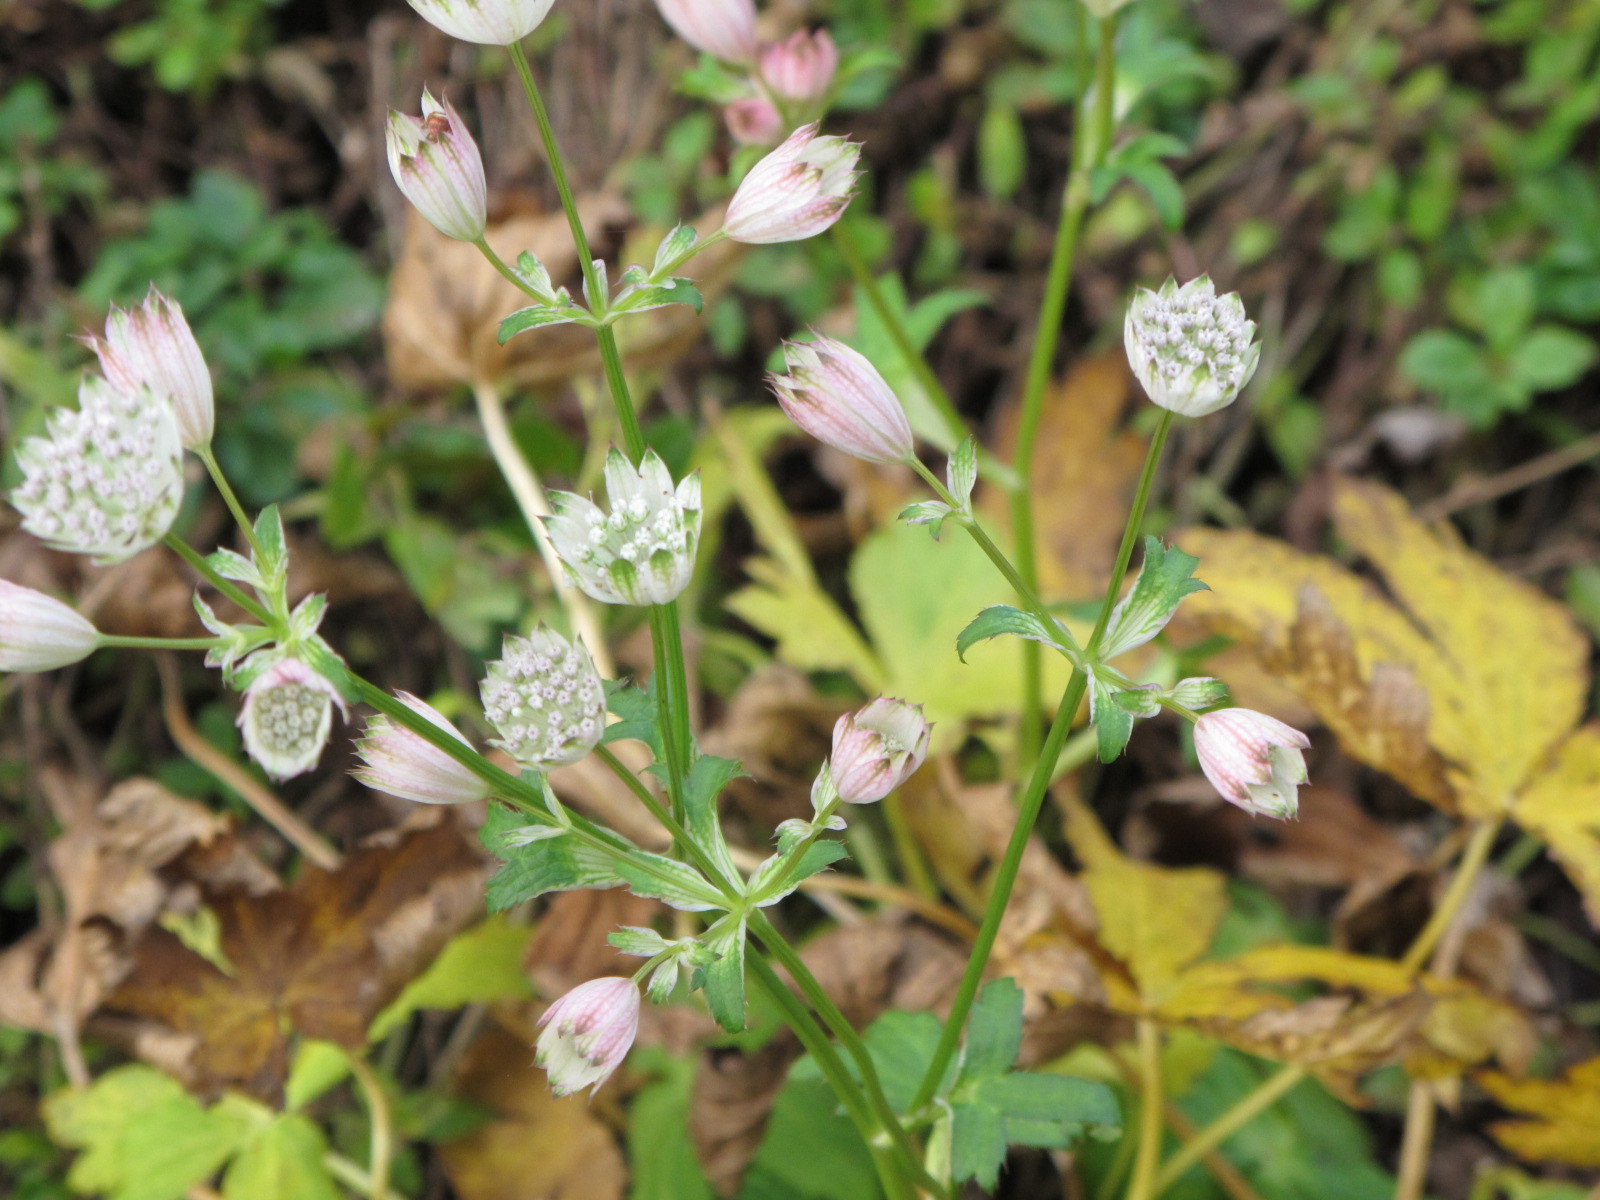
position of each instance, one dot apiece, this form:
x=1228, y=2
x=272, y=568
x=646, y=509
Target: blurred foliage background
x=1406, y=194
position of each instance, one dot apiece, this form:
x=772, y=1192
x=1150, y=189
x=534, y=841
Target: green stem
x=1257, y=1101
x=1130, y=532
x=226, y=586
x=671, y=671
x=1000, y=893
x=1090, y=151
x=632, y=434
x=1149, y=1155
x=382, y=1146
x=890, y=1170
x=158, y=643
x=1472, y=861
x=205, y=455
x=819, y=1000
x=1038, y=784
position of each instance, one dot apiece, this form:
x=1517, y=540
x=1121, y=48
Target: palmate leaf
x=1144, y=612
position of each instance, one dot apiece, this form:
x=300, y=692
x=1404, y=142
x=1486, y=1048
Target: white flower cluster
x=1192, y=350
x=642, y=551
x=286, y=718
x=545, y=699
x=107, y=479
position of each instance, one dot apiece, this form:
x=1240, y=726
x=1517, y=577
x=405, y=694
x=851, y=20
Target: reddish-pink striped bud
x=404, y=764
x=801, y=67
x=753, y=120
x=152, y=346
x=877, y=749
x=587, y=1033
x=724, y=29
x=1254, y=760
x=39, y=633
x=838, y=397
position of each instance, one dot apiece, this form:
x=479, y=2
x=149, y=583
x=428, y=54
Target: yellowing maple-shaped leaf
x=1561, y=806
x=1460, y=690
x=1154, y=920
x=1155, y=923
x=1562, y=1122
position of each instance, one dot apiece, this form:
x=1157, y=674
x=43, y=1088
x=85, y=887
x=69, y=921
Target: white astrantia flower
x=105, y=480
x=640, y=552
x=485, y=22
x=404, y=764
x=1192, y=349
x=544, y=697
x=587, y=1033
x=286, y=718
x=39, y=633
x=795, y=192
x=437, y=165
x=152, y=346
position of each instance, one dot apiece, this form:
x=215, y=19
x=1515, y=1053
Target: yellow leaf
x=1562, y=1122
x=1156, y=920
x=1461, y=695
x=1562, y=807
x=1518, y=664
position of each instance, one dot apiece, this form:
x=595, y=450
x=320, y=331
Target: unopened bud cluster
x=152, y=346
x=107, y=479
x=437, y=165
x=643, y=550
x=1192, y=350
x=544, y=698
x=286, y=718
x=838, y=397
x=877, y=748
x=797, y=191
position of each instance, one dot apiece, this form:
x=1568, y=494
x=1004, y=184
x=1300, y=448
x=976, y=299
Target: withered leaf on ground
x=537, y=1147
x=319, y=958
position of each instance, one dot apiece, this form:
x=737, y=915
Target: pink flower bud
x=724, y=29
x=587, y=1033
x=151, y=346
x=1252, y=759
x=877, y=749
x=39, y=633
x=753, y=120
x=795, y=192
x=403, y=764
x=838, y=397
x=438, y=167
x=800, y=68
x=486, y=22
x=286, y=718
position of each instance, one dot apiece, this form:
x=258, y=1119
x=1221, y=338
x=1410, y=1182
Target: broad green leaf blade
x=284, y=1159
x=978, y=1144
x=560, y=864
x=142, y=1136
x=660, y=1151
x=477, y=965
x=724, y=979
x=538, y=316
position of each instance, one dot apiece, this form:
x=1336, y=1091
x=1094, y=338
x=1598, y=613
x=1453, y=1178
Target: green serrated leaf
x=559, y=864
x=677, y=290
x=1155, y=596
x=1113, y=724
x=770, y=886
x=978, y=1144
x=674, y=247
x=723, y=980
x=538, y=316
x=142, y=1136
x=1001, y=619
x=269, y=536
x=902, y=1045
x=640, y=716
x=235, y=566
x=284, y=1158
x=994, y=1030
x=961, y=473
x=674, y=883
x=1078, y=1106
x=707, y=777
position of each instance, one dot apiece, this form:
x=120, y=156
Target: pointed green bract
x=1155, y=596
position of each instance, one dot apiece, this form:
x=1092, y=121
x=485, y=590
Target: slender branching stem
x=1148, y=1157
x=205, y=455
x=1245, y=1110
x=227, y=587
x=382, y=1120
x=1093, y=139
